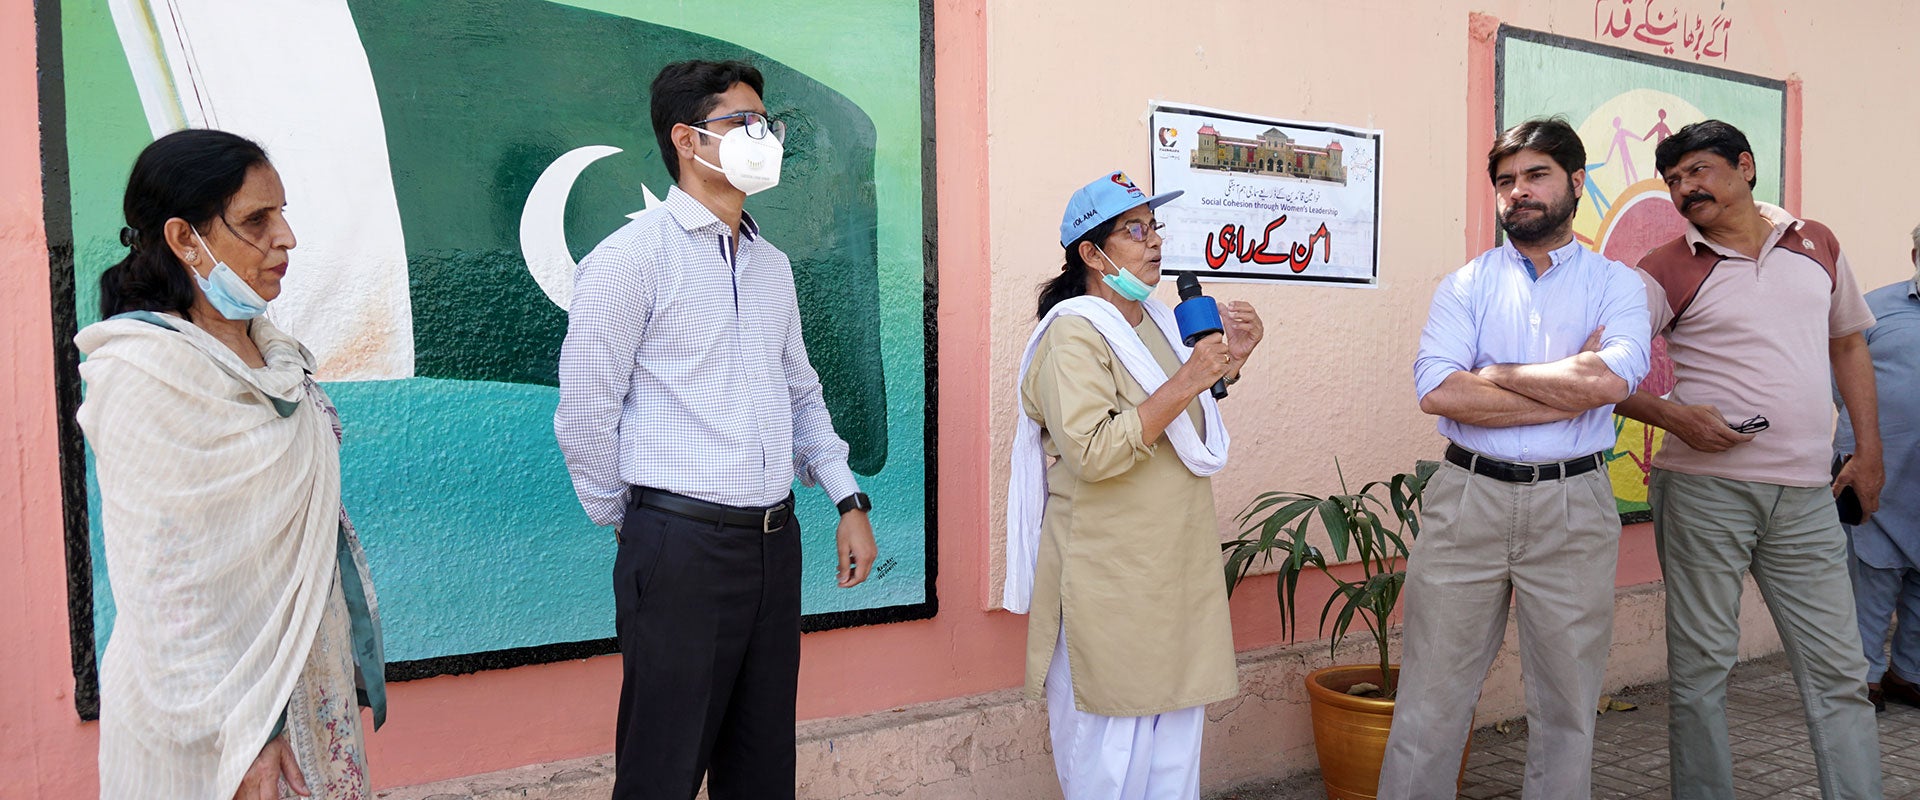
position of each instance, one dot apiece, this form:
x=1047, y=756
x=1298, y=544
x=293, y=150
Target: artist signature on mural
x=1662, y=24
x=1234, y=241
x=884, y=568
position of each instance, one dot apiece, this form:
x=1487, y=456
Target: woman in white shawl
x=247, y=632
x=1113, y=545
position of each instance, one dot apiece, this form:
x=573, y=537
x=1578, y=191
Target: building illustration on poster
x=1273, y=153
x=1267, y=199
x=1623, y=103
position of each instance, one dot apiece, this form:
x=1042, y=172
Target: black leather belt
x=1522, y=473
x=770, y=519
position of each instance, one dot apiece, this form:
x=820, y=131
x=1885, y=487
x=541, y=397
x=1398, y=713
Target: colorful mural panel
x=446, y=165
x=1623, y=104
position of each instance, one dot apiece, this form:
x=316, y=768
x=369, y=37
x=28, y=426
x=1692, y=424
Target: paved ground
x=1769, y=741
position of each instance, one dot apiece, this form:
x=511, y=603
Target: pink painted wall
x=48, y=752
x=1002, y=177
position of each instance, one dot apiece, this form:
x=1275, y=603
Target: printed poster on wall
x=1267, y=199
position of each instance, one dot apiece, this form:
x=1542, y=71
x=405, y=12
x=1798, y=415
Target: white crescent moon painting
x=543, y=234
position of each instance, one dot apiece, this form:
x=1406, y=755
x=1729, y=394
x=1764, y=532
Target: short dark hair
x=190, y=174
x=686, y=92
x=1713, y=135
x=1549, y=135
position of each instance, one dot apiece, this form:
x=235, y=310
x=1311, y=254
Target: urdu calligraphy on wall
x=1267, y=199
x=1665, y=24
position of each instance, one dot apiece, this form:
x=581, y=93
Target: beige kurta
x=1129, y=556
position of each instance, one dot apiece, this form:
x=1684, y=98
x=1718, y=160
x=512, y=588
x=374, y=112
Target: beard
x=1542, y=226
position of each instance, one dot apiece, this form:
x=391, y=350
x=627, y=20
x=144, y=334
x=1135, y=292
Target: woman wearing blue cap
x=1110, y=522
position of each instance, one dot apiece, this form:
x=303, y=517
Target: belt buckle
x=1534, y=474
x=766, y=519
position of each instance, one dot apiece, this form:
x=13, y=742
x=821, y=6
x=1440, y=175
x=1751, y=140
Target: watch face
x=856, y=501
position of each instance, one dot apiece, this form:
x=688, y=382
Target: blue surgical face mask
x=1123, y=282
x=226, y=291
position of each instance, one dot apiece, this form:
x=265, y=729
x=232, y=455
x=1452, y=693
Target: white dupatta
x=1027, y=488
x=220, y=503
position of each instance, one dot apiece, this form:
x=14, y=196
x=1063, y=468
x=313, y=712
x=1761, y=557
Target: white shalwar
x=1120, y=758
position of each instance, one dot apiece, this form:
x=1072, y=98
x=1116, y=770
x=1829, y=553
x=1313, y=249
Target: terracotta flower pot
x=1350, y=733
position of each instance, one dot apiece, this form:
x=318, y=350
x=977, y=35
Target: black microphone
x=1199, y=317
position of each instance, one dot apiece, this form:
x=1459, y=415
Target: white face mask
x=226, y=291
x=751, y=165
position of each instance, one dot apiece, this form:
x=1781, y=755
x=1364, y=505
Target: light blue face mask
x=226, y=291
x=1123, y=282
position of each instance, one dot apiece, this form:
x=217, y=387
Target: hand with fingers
x=1209, y=362
x=854, y=540
x=1244, y=331
x=1866, y=473
x=275, y=761
x=1704, y=429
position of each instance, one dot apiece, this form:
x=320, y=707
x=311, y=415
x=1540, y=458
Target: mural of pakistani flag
x=446, y=165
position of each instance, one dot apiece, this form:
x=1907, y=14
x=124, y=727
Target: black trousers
x=709, y=630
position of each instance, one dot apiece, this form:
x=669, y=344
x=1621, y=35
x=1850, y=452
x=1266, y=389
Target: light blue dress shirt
x=1493, y=311
x=1890, y=539
x=684, y=369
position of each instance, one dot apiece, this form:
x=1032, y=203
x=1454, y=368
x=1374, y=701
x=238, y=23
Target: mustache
x=1696, y=197
x=1533, y=204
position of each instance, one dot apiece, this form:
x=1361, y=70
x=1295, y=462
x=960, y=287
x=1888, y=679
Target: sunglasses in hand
x=1754, y=424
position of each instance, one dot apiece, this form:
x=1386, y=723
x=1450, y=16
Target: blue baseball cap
x=1107, y=197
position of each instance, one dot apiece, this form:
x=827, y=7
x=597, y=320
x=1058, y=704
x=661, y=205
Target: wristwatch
x=857, y=501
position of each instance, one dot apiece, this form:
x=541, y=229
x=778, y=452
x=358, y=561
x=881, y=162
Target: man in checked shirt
x=687, y=408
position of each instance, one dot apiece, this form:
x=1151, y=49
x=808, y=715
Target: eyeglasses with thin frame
x=1137, y=230
x=1754, y=424
x=758, y=125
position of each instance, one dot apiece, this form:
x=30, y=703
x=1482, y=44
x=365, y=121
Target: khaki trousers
x=1549, y=548
x=1711, y=532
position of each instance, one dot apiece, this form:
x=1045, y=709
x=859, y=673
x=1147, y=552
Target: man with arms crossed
x=687, y=407
x=1525, y=352
x=1757, y=307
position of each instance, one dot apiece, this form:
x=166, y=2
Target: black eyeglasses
x=1754, y=424
x=758, y=125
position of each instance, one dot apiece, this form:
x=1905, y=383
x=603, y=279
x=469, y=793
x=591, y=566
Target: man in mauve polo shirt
x=1525, y=352
x=1758, y=308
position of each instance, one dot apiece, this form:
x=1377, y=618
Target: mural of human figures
x=1623, y=104
x=447, y=165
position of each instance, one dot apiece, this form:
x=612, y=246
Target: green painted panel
x=476, y=541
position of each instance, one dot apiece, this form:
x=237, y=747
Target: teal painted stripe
x=477, y=543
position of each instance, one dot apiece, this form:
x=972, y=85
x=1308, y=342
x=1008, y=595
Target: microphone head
x=1188, y=284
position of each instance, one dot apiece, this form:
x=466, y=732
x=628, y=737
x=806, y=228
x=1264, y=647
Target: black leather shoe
x=1900, y=690
x=1878, y=699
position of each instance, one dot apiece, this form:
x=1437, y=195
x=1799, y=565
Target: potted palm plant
x=1373, y=528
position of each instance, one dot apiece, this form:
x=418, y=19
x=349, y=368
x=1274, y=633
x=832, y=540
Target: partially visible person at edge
x=1761, y=312
x=1884, y=549
x=1111, y=530
x=687, y=408
x=247, y=634
x=1525, y=351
